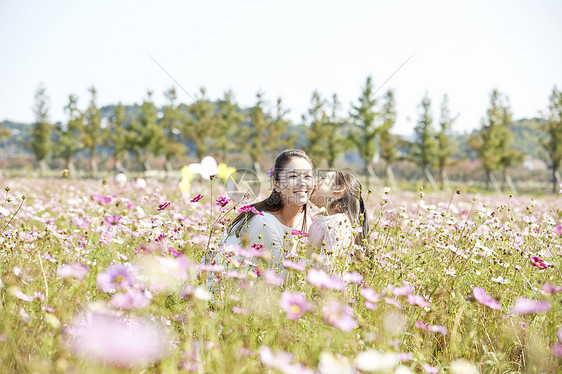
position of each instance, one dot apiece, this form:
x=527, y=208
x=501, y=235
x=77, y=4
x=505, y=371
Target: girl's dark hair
x=274, y=202
x=351, y=203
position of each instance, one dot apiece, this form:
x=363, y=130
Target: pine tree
x=40, y=142
x=117, y=136
x=493, y=141
x=148, y=137
x=199, y=124
x=277, y=138
x=171, y=123
x=92, y=136
x=229, y=119
x=553, y=142
x=388, y=141
x=254, y=132
x=424, y=149
x=335, y=144
x=445, y=146
x=365, y=126
x=316, y=133
x=67, y=134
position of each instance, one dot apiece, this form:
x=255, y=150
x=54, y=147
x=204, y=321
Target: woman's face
x=326, y=190
x=296, y=182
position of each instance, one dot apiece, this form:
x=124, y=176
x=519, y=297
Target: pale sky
x=288, y=49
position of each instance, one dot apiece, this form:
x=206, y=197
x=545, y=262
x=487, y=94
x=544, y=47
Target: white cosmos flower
x=372, y=361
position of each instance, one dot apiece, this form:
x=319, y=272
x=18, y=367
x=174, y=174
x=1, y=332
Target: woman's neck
x=290, y=216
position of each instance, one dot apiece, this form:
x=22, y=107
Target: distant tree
x=4, y=133
x=254, y=132
x=388, y=142
x=118, y=135
x=424, y=148
x=553, y=143
x=40, y=142
x=277, y=137
x=445, y=144
x=493, y=141
x=199, y=123
x=92, y=136
x=365, y=126
x=335, y=143
x=316, y=118
x=68, y=135
x=171, y=124
x=229, y=120
x=148, y=137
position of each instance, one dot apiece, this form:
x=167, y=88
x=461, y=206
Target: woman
x=284, y=211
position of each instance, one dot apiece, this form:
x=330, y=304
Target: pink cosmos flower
x=115, y=277
x=352, y=277
x=279, y=360
x=438, y=329
x=81, y=222
x=196, y=198
x=418, y=300
x=222, y=201
x=163, y=206
x=339, y=316
x=113, y=220
x=401, y=291
x=249, y=208
x=73, y=270
x=299, y=233
x=320, y=279
x=130, y=300
x=537, y=262
x=430, y=369
x=551, y=288
x=370, y=295
x=557, y=349
x=483, y=298
x=271, y=277
x=298, y=266
x=421, y=325
x=294, y=304
x=527, y=306
x=392, y=301
x=558, y=229
x=131, y=342
x=102, y=200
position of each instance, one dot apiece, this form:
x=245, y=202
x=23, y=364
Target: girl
x=270, y=222
x=332, y=233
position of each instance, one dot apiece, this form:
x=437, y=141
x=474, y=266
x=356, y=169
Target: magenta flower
x=320, y=279
x=421, y=325
x=113, y=220
x=130, y=300
x=222, y=201
x=418, y=300
x=299, y=233
x=339, y=316
x=73, y=270
x=249, y=209
x=131, y=342
x=196, y=198
x=527, y=306
x=558, y=229
x=551, y=288
x=115, y=277
x=102, y=200
x=294, y=304
x=483, y=298
x=271, y=173
x=537, y=262
x=163, y=206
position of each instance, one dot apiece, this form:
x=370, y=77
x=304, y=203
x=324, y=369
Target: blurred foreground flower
x=294, y=304
x=122, y=342
x=339, y=316
x=371, y=361
x=462, y=367
x=526, y=306
x=73, y=270
x=483, y=298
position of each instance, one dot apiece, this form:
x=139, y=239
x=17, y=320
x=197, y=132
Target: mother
x=271, y=221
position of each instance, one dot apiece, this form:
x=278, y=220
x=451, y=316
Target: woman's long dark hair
x=274, y=202
x=351, y=203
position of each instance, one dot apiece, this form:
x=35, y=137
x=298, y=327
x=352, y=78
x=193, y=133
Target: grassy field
x=101, y=278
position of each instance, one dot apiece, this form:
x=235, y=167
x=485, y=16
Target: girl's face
x=326, y=190
x=296, y=182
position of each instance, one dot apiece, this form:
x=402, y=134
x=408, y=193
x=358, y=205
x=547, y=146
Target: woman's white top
x=267, y=231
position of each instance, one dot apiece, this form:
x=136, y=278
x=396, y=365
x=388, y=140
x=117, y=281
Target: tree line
x=223, y=128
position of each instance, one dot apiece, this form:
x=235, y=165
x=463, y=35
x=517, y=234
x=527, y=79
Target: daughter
x=332, y=233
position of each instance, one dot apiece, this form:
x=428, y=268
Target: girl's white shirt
x=268, y=231
x=332, y=235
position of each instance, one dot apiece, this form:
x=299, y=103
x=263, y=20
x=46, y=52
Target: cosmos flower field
x=98, y=277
